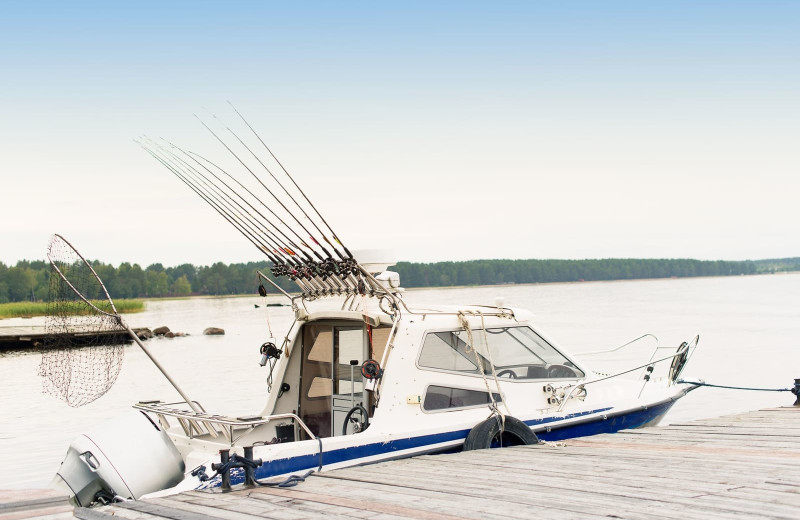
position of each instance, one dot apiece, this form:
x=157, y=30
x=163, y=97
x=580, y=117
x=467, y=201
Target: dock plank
x=728, y=468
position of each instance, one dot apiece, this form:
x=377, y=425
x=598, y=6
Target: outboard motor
x=127, y=457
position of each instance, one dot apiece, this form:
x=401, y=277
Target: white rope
x=491, y=362
x=462, y=317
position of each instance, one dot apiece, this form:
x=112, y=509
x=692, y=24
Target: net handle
x=94, y=273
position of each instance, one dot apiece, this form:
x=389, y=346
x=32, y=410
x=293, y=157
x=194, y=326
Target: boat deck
x=732, y=467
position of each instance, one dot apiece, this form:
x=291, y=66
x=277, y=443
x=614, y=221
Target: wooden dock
x=32, y=336
x=733, y=467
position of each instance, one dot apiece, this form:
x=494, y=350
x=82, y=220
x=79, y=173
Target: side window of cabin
x=517, y=353
x=442, y=398
x=445, y=351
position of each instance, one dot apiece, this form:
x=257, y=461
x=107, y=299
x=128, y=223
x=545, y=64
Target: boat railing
x=685, y=349
x=630, y=343
x=624, y=345
x=202, y=423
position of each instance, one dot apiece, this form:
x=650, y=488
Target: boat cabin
x=432, y=364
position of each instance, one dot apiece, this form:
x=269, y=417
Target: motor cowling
x=127, y=457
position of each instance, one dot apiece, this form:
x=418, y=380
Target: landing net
x=80, y=361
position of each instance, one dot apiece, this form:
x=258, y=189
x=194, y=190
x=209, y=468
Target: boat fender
x=513, y=433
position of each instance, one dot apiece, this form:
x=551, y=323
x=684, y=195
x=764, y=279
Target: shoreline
x=444, y=287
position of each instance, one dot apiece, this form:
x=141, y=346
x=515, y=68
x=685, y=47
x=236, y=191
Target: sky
x=437, y=130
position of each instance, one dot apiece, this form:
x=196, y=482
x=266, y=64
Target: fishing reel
x=371, y=369
x=269, y=351
x=348, y=266
x=279, y=270
x=328, y=268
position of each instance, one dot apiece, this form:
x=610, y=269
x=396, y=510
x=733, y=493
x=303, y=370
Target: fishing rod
x=195, y=156
x=223, y=213
x=292, y=273
x=327, y=263
x=333, y=233
x=309, y=270
x=257, y=158
x=295, y=269
x=291, y=257
x=263, y=243
x=251, y=236
x=205, y=180
x=350, y=262
x=319, y=268
x=260, y=182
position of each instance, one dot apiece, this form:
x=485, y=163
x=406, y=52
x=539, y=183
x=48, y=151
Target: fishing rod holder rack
x=197, y=424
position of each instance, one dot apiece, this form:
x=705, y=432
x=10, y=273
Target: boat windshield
x=517, y=353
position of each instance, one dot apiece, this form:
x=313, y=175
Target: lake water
x=749, y=336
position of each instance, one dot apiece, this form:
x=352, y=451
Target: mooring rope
x=702, y=383
x=290, y=481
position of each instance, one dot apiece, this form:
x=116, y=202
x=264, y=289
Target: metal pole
x=161, y=368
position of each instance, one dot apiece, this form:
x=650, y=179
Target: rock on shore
x=213, y=331
x=143, y=333
x=160, y=331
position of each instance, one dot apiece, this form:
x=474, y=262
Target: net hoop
x=115, y=314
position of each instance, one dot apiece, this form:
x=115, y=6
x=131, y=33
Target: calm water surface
x=749, y=329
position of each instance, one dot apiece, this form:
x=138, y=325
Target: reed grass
x=31, y=309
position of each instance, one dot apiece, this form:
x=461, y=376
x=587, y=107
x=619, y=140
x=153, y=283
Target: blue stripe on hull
x=610, y=425
x=591, y=426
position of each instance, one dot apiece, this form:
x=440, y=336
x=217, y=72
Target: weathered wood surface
x=33, y=503
x=33, y=336
x=734, y=467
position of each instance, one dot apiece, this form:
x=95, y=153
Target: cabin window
x=442, y=398
x=517, y=352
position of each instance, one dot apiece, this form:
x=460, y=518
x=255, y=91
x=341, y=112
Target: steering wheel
x=507, y=372
x=558, y=371
x=358, y=418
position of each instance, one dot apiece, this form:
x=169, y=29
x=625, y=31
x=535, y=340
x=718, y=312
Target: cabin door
x=349, y=352
x=331, y=382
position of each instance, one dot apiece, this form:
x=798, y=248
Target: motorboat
x=364, y=373
x=352, y=387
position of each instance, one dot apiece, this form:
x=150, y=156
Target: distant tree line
x=778, y=265
x=29, y=280
x=490, y=272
